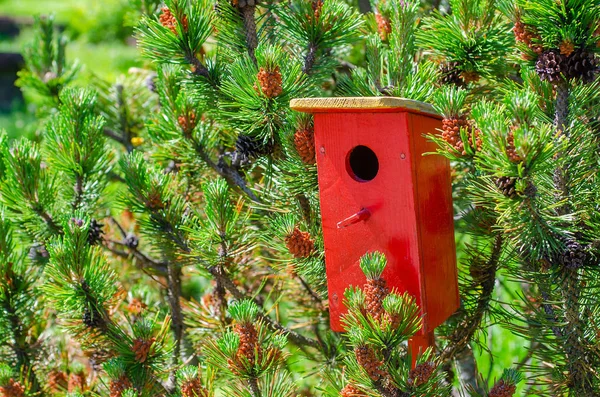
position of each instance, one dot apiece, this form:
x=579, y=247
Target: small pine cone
x=270, y=82
x=95, y=232
x=136, y=306
x=502, y=389
x=187, y=122
x=368, y=360
x=299, y=243
x=522, y=35
x=249, y=147
x=574, y=255
x=511, y=150
x=57, y=381
x=470, y=77
x=304, y=140
x=117, y=387
x=317, y=6
x=384, y=27
x=450, y=74
x=248, y=340
x=566, y=48
x=168, y=20
x=91, y=318
x=551, y=65
x=193, y=388
x=375, y=291
x=451, y=132
x=141, y=348
x=77, y=382
x=421, y=374
x=582, y=65
x=393, y=319
x=351, y=391
x=12, y=389
x=506, y=185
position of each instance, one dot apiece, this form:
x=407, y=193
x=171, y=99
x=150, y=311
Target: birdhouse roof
x=361, y=104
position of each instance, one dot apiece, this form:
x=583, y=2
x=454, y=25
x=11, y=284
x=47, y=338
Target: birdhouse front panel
x=379, y=193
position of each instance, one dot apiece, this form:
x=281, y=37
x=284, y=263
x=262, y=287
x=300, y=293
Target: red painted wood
x=409, y=202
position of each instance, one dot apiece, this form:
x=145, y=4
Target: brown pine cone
x=57, y=381
x=317, y=6
x=299, y=243
x=117, y=387
x=451, y=132
x=582, y=65
x=270, y=82
x=141, y=348
x=384, y=27
x=304, y=140
x=502, y=389
x=469, y=77
x=351, y=391
x=551, y=65
x=187, y=122
x=368, y=360
x=77, y=382
x=511, y=150
x=193, y=388
x=168, y=20
x=506, y=185
x=450, y=74
x=566, y=48
x=573, y=256
x=248, y=340
x=393, y=319
x=375, y=291
x=136, y=306
x=525, y=34
x=12, y=389
x=421, y=374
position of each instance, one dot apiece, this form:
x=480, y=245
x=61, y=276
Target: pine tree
x=162, y=234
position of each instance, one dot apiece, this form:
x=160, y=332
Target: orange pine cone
x=375, y=291
x=511, y=150
x=141, y=348
x=270, y=82
x=368, y=360
x=317, y=5
x=117, y=387
x=384, y=27
x=12, y=389
x=248, y=340
x=304, y=140
x=299, y=243
x=193, y=388
x=469, y=77
x=566, y=48
x=57, y=380
x=168, y=20
x=421, y=374
x=136, y=306
x=451, y=134
x=351, y=391
x=502, y=389
x=187, y=122
x=77, y=382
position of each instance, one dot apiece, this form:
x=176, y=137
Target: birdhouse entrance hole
x=362, y=164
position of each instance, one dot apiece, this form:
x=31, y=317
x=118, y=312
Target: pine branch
x=253, y=383
x=310, y=58
x=177, y=326
x=248, y=12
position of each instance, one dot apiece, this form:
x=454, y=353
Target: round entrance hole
x=362, y=163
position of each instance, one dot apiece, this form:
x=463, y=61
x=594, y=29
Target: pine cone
x=375, y=291
x=393, y=319
x=450, y=74
x=421, y=374
x=506, y=185
x=57, y=381
x=131, y=241
x=250, y=148
x=317, y=6
x=502, y=389
x=384, y=27
x=136, y=306
x=304, y=140
x=117, y=387
x=95, y=232
x=193, y=388
x=91, y=318
x=451, y=132
x=270, y=82
x=574, y=255
x=582, y=65
x=368, y=360
x=525, y=34
x=566, y=48
x=168, y=20
x=469, y=77
x=187, y=123
x=351, y=391
x=551, y=65
x=300, y=244
x=248, y=340
x=511, y=150
x=77, y=382
x=141, y=348
x=12, y=389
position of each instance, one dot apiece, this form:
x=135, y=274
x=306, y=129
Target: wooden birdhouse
x=379, y=192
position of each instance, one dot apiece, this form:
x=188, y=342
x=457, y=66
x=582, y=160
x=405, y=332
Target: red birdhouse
x=379, y=192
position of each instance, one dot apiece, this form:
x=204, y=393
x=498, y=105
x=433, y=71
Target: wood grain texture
x=362, y=104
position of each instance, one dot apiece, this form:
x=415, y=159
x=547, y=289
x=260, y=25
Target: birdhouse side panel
x=348, y=145
x=436, y=223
